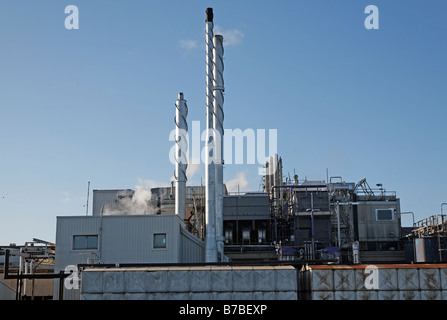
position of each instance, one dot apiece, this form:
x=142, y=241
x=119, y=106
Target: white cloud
x=231, y=37
x=66, y=198
x=240, y=182
x=188, y=44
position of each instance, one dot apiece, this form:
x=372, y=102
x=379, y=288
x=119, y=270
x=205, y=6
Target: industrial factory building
x=294, y=239
x=194, y=241
x=299, y=222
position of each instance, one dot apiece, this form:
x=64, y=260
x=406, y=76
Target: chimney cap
x=209, y=15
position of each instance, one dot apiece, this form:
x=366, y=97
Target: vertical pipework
x=181, y=147
x=210, y=193
x=218, y=118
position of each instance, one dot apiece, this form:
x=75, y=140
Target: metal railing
x=431, y=226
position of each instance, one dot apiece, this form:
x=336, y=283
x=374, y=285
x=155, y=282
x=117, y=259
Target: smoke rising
x=240, y=182
x=130, y=202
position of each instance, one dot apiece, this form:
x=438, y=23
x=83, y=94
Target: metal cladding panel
x=238, y=295
x=6, y=291
x=323, y=295
x=172, y=296
x=178, y=281
x=387, y=279
x=92, y=282
x=246, y=207
x=361, y=277
x=101, y=197
x=344, y=279
x=344, y=295
x=443, y=273
x=429, y=279
x=136, y=296
x=157, y=281
x=243, y=279
x=409, y=295
x=91, y=296
x=286, y=279
x=222, y=296
x=367, y=295
x=129, y=239
x=66, y=228
x=264, y=295
x=201, y=296
x=192, y=249
x=369, y=228
x=322, y=279
x=430, y=295
x=408, y=279
x=286, y=295
x=221, y=280
x=113, y=296
x=264, y=279
x=200, y=280
x=388, y=295
x=113, y=282
x=135, y=281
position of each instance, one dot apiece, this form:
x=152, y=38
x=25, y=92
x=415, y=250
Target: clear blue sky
x=97, y=104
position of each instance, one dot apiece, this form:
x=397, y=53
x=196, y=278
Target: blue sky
x=97, y=104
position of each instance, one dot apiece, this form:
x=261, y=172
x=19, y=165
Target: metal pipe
x=411, y=214
x=338, y=225
x=181, y=147
x=443, y=204
x=25, y=282
x=210, y=193
x=218, y=118
x=88, y=193
x=312, y=221
x=355, y=252
x=271, y=164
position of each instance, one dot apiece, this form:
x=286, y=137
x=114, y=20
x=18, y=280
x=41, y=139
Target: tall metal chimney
x=181, y=147
x=210, y=191
x=218, y=119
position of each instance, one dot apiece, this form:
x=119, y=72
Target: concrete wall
x=191, y=283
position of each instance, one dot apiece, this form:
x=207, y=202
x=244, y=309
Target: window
x=384, y=214
x=85, y=242
x=159, y=240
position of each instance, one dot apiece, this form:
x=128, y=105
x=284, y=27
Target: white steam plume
x=239, y=182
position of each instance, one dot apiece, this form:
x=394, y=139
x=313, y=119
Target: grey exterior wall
x=6, y=292
x=371, y=230
x=246, y=207
x=102, y=197
x=124, y=239
x=191, y=248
